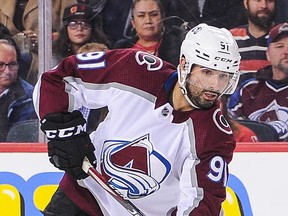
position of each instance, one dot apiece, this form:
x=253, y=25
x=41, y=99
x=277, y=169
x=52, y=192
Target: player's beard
x=263, y=22
x=195, y=94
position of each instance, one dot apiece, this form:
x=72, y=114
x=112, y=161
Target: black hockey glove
x=68, y=142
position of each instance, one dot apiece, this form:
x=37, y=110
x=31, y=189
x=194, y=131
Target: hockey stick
x=91, y=171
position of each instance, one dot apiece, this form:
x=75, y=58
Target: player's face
x=260, y=12
x=205, y=85
x=147, y=20
x=277, y=54
x=79, y=31
x=7, y=75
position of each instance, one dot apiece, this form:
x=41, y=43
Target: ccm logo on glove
x=68, y=142
x=65, y=132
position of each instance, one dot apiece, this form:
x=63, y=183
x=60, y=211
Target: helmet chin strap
x=183, y=88
x=184, y=92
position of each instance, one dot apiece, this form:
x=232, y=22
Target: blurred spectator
x=21, y=57
x=114, y=16
x=252, y=38
x=241, y=132
x=220, y=13
x=15, y=94
x=22, y=15
x=264, y=98
x=76, y=31
x=150, y=34
x=21, y=18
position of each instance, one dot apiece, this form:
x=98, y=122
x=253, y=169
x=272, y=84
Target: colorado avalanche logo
x=153, y=63
x=134, y=168
x=276, y=115
x=221, y=122
x=272, y=112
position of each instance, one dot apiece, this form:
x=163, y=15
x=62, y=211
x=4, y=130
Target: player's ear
x=184, y=67
x=183, y=63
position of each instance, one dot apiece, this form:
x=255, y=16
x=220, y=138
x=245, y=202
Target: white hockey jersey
x=164, y=161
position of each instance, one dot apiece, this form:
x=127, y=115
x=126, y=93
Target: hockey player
x=164, y=144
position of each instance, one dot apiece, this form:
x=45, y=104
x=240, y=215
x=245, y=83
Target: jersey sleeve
x=85, y=79
x=50, y=88
x=235, y=103
x=71, y=84
x=205, y=173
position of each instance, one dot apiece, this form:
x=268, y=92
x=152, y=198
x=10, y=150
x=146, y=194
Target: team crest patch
x=153, y=62
x=221, y=122
x=134, y=167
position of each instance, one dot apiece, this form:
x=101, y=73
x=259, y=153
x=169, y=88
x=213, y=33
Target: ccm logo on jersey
x=65, y=132
x=153, y=63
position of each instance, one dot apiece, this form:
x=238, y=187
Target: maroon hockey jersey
x=164, y=161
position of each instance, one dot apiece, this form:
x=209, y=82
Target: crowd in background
x=154, y=26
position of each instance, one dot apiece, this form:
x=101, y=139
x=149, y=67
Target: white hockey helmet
x=210, y=47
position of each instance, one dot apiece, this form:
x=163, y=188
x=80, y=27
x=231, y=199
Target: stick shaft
x=129, y=206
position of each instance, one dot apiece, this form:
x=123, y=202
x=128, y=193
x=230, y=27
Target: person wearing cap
x=78, y=28
x=264, y=98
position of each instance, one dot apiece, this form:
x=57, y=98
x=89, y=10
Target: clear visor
x=210, y=80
